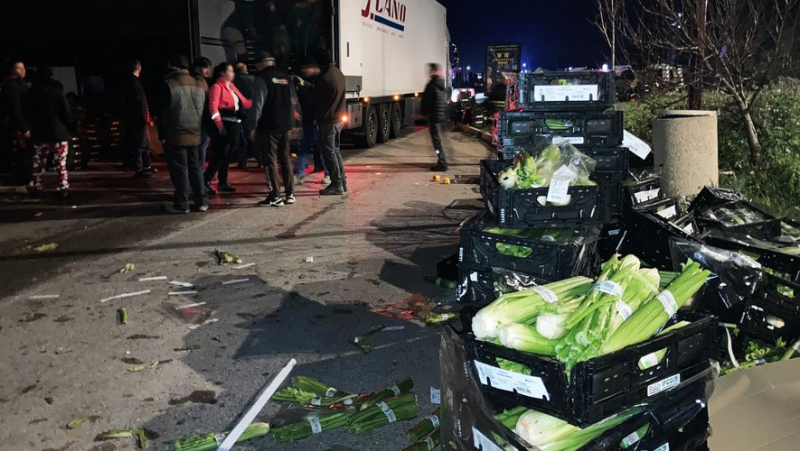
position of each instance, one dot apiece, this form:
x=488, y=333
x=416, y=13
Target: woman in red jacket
x=225, y=105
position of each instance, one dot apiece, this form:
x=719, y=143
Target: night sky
x=553, y=34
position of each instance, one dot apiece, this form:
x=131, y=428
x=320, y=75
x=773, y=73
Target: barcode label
x=648, y=361
x=668, y=213
x=664, y=447
x=482, y=442
x=510, y=381
x=664, y=385
x=668, y=301
x=387, y=411
x=562, y=93
x=317, y=400
x=644, y=196
x=559, y=185
x=609, y=287
x=316, y=426
x=624, y=310
x=395, y=389
x=431, y=444
x=546, y=294
x=434, y=421
x=330, y=392
x=558, y=140
x=630, y=440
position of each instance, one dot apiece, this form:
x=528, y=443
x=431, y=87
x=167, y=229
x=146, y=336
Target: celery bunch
x=424, y=427
x=314, y=424
x=403, y=407
x=550, y=433
x=212, y=441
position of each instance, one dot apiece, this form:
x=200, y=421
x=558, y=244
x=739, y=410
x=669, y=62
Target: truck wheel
x=384, y=122
x=370, y=128
x=397, y=120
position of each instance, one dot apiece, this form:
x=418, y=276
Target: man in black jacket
x=272, y=102
x=136, y=120
x=329, y=103
x=434, y=106
x=50, y=114
x=15, y=126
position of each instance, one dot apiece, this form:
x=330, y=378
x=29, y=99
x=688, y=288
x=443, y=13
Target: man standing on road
x=18, y=129
x=180, y=126
x=434, y=107
x=273, y=92
x=136, y=119
x=244, y=82
x=328, y=98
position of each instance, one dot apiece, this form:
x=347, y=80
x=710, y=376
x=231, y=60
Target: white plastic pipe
x=261, y=401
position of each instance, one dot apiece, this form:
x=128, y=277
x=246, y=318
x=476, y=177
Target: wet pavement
x=67, y=356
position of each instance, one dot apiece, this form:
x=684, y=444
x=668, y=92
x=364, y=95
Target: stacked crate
x=552, y=108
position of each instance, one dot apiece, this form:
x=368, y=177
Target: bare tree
x=736, y=46
x=610, y=14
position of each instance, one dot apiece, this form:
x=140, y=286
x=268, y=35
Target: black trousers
x=185, y=170
x=274, y=149
x=436, y=138
x=136, y=147
x=223, y=148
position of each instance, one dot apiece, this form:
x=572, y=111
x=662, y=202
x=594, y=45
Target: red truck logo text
x=391, y=13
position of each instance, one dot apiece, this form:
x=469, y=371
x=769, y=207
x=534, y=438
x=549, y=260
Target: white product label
x=638, y=147
x=436, y=396
x=624, y=310
x=561, y=93
x=609, y=287
x=644, y=196
x=482, y=442
x=395, y=389
x=664, y=385
x=330, y=392
x=668, y=301
x=689, y=229
x=316, y=426
x=546, y=294
x=614, y=232
x=510, y=381
x=668, y=213
x=630, y=440
x=648, y=361
x=558, y=140
x=348, y=401
x=664, y=447
x=431, y=444
x=434, y=421
x=387, y=411
x=316, y=401
x=473, y=277
x=559, y=185
x=460, y=254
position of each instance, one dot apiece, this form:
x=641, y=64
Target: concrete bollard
x=685, y=147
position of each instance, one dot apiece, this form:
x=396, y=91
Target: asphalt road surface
x=67, y=356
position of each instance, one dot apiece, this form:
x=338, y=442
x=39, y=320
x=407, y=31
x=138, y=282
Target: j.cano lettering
x=387, y=12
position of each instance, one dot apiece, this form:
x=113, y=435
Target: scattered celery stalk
x=306, y=390
x=301, y=430
x=424, y=427
x=430, y=442
x=123, y=316
x=513, y=366
x=553, y=434
x=144, y=367
x=211, y=441
x=226, y=257
x=659, y=355
x=395, y=390
x=358, y=341
x=78, y=421
x=509, y=418
x=404, y=407
x=441, y=318
x=141, y=440
x=651, y=317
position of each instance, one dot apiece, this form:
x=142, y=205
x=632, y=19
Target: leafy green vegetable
x=80, y=420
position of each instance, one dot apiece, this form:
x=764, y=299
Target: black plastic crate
x=600, y=387
x=643, y=192
x=767, y=228
x=527, y=130
x=612, y=163
x=480, y=285
x=647, y=235
x=667, y=209
x=548, y=259
x=522, y=208
x=560, y=91
x=712, y=196
x=765, y=253
x=772, y=303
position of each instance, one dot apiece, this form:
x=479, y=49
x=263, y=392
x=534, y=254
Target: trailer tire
x=369, y=129
x=397, y=120
x=384, y=122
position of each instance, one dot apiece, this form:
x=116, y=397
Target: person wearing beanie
x=434, y=107
x=329, y=103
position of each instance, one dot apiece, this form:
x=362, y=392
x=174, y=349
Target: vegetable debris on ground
x=211, y=441
x=358, y=341
x=224, y=257
x=403, y=407
x=80, y=420
x=138, y=434
x=314, y=424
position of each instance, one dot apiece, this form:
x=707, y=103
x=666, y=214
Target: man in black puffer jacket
x=434, y=106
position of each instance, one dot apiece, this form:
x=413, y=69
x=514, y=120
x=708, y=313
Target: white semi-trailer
x=381, y=46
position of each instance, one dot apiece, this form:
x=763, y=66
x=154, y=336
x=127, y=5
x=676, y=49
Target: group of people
x=195, y=114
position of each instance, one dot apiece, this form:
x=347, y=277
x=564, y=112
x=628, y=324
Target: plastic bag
x=736, y=277
x=537, y=169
